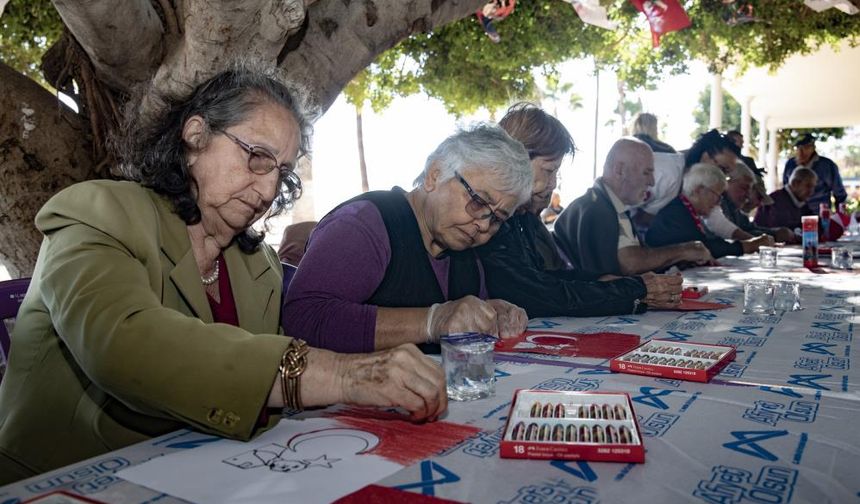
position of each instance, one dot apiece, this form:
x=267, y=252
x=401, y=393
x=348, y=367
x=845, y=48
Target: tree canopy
x=461, y=67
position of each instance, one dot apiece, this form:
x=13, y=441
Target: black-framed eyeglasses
x=478, y=207
x=260, y=160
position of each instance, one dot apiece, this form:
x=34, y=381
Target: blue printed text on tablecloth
x=733, y=485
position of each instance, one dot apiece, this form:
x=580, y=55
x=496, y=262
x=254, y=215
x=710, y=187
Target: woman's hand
x=467, y=314
x=663, y=291
x=511, y=319
x=401, y=377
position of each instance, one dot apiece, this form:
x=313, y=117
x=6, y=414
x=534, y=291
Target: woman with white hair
x=681, y=220
x=393, y=267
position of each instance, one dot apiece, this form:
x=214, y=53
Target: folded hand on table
x=663, y=291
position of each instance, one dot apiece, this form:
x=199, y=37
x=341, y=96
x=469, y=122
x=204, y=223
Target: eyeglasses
x=260, y=160
x=478, y=208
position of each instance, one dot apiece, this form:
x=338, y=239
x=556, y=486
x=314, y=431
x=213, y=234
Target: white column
x=762, y=143
x=772, y=159
x=746, y=124
x=716, y=101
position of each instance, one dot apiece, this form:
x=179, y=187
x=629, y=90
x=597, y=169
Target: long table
x=778, y=425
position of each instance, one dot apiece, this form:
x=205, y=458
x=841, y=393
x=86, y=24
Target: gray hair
x=741, y=171
x=702, y=175
x=645, y=124
x=484, y=147
x=802, y=174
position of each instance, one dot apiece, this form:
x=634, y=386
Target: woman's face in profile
x=231, y=197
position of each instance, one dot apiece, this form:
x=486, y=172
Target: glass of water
x=470, y=372
x=842, y=258
x=767, y=257
x=758, y=297
x=786, y=295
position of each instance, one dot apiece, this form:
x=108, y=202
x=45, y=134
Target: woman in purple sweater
x=393, y=267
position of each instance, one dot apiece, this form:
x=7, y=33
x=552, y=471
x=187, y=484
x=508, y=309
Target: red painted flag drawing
x=599, y=345
x=664, y=16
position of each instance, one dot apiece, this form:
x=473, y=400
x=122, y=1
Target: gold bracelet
x=294, y=361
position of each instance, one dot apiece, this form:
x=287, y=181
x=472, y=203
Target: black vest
x=409, y=280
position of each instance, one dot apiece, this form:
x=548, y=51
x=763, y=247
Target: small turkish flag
x=664, y=16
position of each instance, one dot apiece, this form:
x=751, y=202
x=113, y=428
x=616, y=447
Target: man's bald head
x=629, y=170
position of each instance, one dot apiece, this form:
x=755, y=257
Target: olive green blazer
x=115, y=342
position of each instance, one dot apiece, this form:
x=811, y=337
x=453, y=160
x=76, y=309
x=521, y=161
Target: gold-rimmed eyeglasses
x=260, y=160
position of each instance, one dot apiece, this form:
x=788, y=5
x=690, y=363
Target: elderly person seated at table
x=155, y=306
x=789, y=203
x=522, y=263
x=681, y=220
x=738, y=189
x=595, y=231
x=393, y=267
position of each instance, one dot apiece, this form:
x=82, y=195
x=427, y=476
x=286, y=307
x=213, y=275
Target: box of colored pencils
x=669, y=359
x=547, y=424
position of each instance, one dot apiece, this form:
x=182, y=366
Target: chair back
x=11, y=296
x=289, y=272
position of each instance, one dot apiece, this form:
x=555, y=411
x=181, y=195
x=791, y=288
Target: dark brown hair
x=542, y=134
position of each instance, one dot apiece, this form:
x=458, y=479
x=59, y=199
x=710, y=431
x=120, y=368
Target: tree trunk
x=44, y=148
x=362, y=165
x=177, y=44
x=304, y=209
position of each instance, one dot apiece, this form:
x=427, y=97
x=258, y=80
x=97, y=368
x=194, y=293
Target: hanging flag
x=822, y=5
x=591, y=12
x=664, y=16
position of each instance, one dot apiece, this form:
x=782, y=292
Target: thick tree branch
x=215, y=33
x=344, y=37
x=123, y=38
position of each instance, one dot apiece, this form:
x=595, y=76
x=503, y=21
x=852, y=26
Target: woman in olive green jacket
x=154, y=306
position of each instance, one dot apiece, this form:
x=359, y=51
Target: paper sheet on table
x=308, y=461
x=601, y=345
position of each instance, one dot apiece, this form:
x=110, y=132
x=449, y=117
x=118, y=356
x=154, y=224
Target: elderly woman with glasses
x=682, y=219
x=154, y=305
x=393, y=267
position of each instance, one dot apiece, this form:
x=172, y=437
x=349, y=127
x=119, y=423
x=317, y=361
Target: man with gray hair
x=595, y=230
x=740, y=185
x=393, y=267
x=682, y=219
x=789, y=203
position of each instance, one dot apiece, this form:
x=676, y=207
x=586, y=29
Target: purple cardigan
x=345, y=261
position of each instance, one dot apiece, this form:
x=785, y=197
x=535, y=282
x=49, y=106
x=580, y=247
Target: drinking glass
x=842, y=258
x=758, y=297
x=470, y=372
x=767, y=257
x=786, y=295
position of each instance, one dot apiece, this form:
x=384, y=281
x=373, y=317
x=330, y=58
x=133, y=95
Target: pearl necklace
x=209, y=280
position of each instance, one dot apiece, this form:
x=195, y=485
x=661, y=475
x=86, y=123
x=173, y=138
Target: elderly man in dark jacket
x=595, y=230
x=521, y=261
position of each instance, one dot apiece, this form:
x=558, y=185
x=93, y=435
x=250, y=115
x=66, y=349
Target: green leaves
x=27, y=29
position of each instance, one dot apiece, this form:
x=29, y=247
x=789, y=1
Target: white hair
x=741, y=171
x=703, y=175
x=484, y=147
